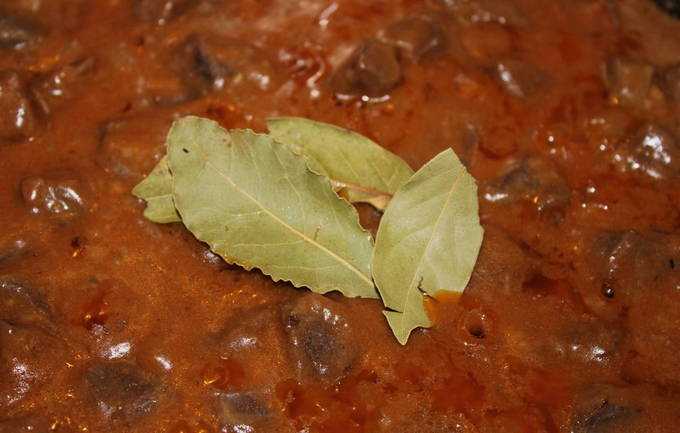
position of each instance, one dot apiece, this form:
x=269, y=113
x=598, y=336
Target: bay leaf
x=363, y=170
x=256, y=204
x=428, y=240
x=156, y=190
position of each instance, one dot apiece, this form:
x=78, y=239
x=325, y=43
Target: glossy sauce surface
x=566, y=112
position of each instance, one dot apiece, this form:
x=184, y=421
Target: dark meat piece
x=13, y=250
x=653, y=151
x=535, y=179
x=603, y=408
x=605, y=418
x=29, y=357
x=132, y=145
x=320, y=337
x=418, y=36
x=17, y=33
x=622, y=268
x=22, y=305
x=629, y=81
x=122, y=391
x=244, y=409
x=628, y=263
x=52, y=196
x=60, y=82
x=22, y=117
x=212, y=62
x=503, y=263
x=250, y=339
x=588, y=341
x=373, y=70
x=671, y=7
x=162, y=11
x=520, y=78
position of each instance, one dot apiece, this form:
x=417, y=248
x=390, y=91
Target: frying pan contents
x=565, y=113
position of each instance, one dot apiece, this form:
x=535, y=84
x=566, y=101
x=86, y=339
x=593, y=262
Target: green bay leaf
x=156, y=190
x=363, y=170
x=256, y=204
x=428, y=240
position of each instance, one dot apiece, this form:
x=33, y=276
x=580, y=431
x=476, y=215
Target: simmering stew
x=566, y=112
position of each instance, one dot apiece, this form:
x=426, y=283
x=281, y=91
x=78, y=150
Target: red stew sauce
x=567, y=112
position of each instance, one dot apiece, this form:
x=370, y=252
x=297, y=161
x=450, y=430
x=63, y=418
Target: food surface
x=566, y=112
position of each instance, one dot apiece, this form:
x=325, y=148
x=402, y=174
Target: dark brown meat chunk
x=131, y=145
x=22, y=117
x=52, y=196
x=418, y=36
x=373, y=70
x=320, y=337
x=29, y=357
x=211, y=62
x=605, y=408
x=535, y=179
x=17, y=33
x=122, y=391
x=23, y=305
x=244, y=409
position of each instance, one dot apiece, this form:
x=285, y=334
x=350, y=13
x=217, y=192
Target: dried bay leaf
x=428, y=240
x=362, y=169
x=256, y=204
x=156, y=189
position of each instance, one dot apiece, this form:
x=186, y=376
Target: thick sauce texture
x=567, y=112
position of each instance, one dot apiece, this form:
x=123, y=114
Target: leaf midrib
x=278, y=219
x=410, y=290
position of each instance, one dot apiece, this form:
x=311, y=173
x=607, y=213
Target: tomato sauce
x=567, y=112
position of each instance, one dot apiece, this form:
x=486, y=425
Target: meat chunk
x=13, y=250
x=131, y=145
x=23, y=305
x=535, y=179
x=17, y=33
x=652, y=151
x=29, y=351
x=418, y=36
x=208, y=62
x=22, y=117
x=29, y=357
x=61, y=82
x=502, y=262
x=320, y=337
x=244, y=409
x=250, y=339
x=122, y=391
x=520, y=78
x=373, y=70
x=628, y=263
x=604, y=408
x=52, y=196
x=621, y=268
x=629, y=81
